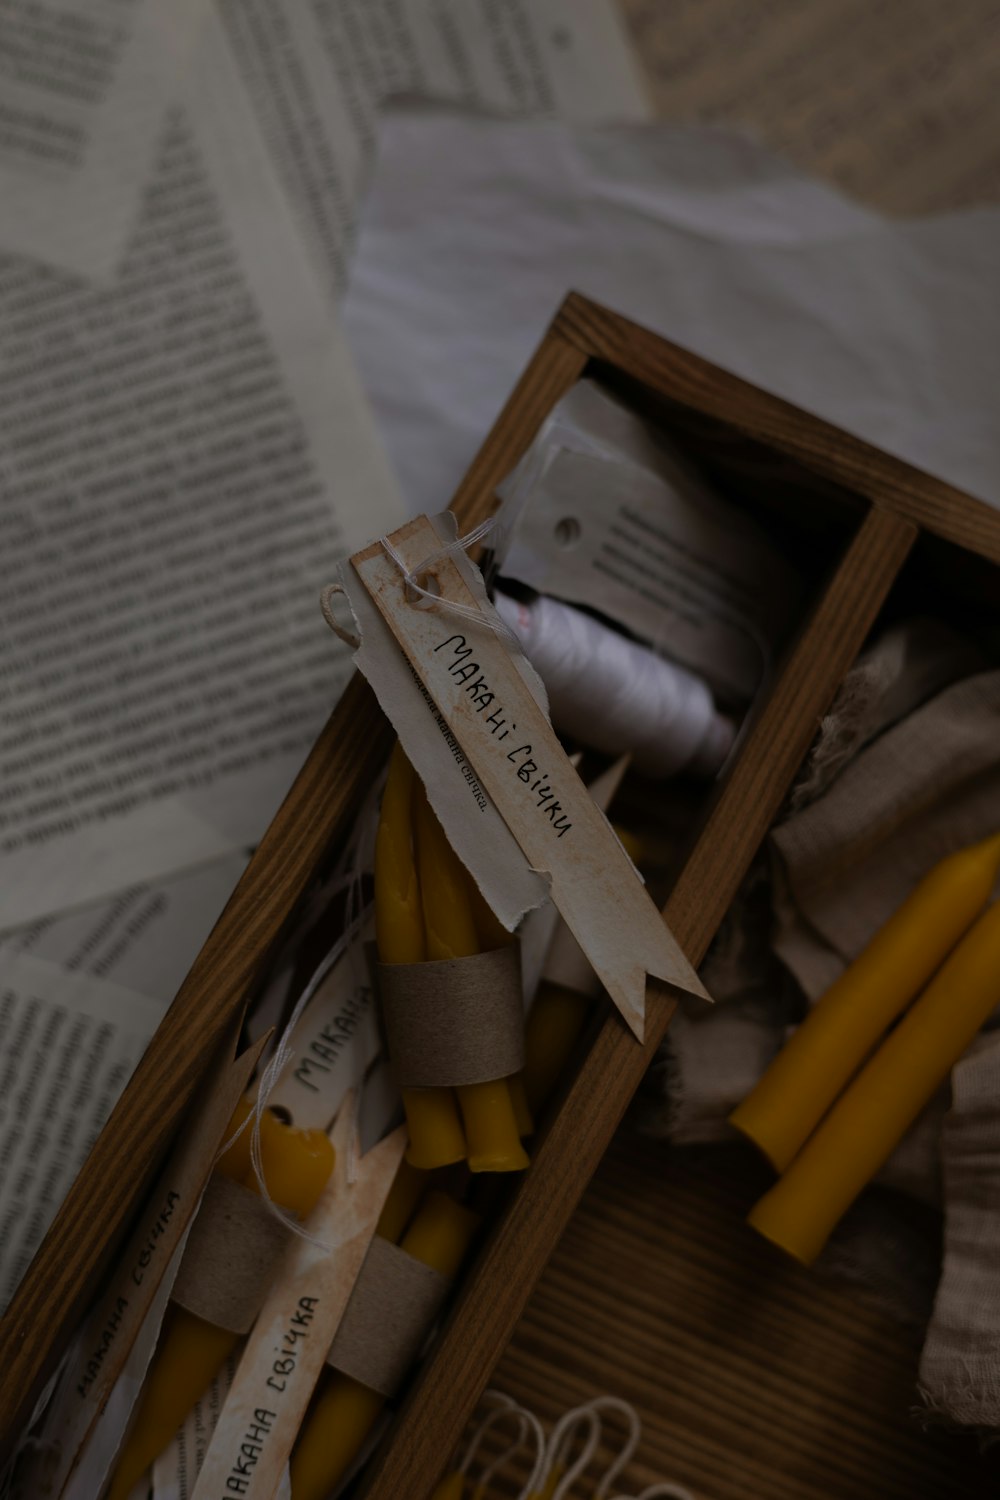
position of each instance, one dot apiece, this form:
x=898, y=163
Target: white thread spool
x=616, y=696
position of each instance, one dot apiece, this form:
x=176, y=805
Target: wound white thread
x=617, y=696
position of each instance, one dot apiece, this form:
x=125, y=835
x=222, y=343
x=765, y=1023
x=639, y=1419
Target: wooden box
x=861, y=527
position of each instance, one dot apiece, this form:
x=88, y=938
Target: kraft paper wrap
x=231, y=1256
x=456, y=1021
x=392, y=1306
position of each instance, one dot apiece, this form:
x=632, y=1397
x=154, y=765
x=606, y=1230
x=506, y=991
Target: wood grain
x=895, y=102
x=751, y=1376
x=495, y=1292
x=816, y=445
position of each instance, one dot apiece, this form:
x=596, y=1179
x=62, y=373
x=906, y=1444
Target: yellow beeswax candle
x=345, y=1411
x=436, y=1136
x=551, y=1483
x=491, y=1127
x=554, y=1026
x=407, y=1189
x=296, y=1165
x=870, y=1118
x=840, y=1031
x=452, y=1487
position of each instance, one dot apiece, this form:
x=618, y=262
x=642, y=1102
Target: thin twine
x=527, y=1422
x=560, y=1444
x=416, y=590
x=633, y=1435
x=662, y=1488
x=348, y=880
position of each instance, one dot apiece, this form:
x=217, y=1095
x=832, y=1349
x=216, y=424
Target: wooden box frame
x=885, y=507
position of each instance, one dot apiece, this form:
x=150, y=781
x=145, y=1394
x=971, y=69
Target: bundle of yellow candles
x=344, y=1410
x=830, y=1110
x=428, y=908
x=296, y=1165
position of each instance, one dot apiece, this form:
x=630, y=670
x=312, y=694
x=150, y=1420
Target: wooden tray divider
x=496, y=1289
x=584, y=339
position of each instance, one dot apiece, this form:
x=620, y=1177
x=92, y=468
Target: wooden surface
x=897, y=102
x=752, y=1377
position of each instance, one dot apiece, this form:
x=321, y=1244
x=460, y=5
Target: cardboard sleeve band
x=230, y=1257
x=454, y=1022
x=394, y=1302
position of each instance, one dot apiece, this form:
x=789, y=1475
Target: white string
x=633, y=1435
x=560, y=1445
x=533, y=1481
x=470, y=612
x=665, y=1488
x=349, y=880
x=507, y=1453
x=501, y=1414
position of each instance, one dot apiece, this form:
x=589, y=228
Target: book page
x=318, y=71
x=84, y=86
x=80, y=996
x=186, y=454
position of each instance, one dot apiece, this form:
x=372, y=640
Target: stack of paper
x=185, y=451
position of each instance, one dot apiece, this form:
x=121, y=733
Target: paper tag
x=601, y=515
x=103, y=1345
x=472, y=679
x=335, y=1041
x=475, y=829
x=287, y=1348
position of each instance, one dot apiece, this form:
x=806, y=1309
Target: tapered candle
x=491, y=1127
x=840, y=1031
x=492, y=934
x=452, y=1487
x=407, y=1189
x=296, y=1165
x=554, y=1026
x=436, y=1135
x=345, y=1411
x=870, y=1118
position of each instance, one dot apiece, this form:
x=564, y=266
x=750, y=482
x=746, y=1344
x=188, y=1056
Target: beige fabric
x=904, y=769
x=960, y=1364
x=927, y=786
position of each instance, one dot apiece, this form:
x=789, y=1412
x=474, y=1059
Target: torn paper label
x=287, y=1348
x=334, y=1042
x=102, y=1350
x=474, y=827
x=607, y=516
x=482, y=696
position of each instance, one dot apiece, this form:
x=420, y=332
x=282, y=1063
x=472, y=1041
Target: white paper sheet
x=475, y=229
x=186, y=454
x=318, y=71
x=145, y=938
x=68, y=1044
x=84, y=85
